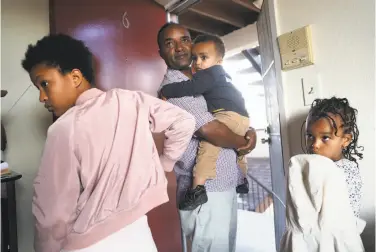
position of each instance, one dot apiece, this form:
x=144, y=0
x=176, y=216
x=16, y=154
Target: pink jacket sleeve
x=56, y=190
x=177, y=124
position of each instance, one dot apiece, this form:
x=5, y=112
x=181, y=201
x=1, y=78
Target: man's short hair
x=161, y=30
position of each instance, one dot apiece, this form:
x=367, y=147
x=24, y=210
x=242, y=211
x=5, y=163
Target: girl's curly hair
x=327, y=108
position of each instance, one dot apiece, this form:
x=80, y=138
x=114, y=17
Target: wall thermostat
x=295, y=48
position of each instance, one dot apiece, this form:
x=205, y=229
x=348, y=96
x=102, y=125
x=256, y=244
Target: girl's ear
x=346, y=140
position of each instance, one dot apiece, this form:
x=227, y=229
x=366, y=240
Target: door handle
x=265, y=140
x=267, y=130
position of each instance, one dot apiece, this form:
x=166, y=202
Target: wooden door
x=122, y=34
x=271, y=68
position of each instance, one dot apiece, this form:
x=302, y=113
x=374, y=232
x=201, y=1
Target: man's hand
x=251, y=138
x=220, y=135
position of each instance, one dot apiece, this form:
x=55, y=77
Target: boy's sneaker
x=243, y=188
x=194, y=198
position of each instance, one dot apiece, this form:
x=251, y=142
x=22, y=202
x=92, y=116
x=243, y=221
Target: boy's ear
x=346, y=140
x=77, y=77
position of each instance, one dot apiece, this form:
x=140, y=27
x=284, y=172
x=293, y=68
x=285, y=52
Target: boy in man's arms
x=223, y=100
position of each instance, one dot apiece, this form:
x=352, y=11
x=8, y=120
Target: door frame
x=278, y=75
x=278, y=134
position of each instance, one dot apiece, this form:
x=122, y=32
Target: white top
x=319, y=217
x=354, y=183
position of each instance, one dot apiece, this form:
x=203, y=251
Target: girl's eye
x=44, y=84
x=204, y=57
x=325, y=138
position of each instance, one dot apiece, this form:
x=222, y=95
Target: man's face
x=56, y=91
x=175, y=47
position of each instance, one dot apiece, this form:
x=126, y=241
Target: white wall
x=26, y=121
x=343, y=33
x=235, y=42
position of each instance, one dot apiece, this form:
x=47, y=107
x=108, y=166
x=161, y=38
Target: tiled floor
x=259, y=169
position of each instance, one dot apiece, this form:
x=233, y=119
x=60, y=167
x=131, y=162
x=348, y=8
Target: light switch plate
x=311, y=89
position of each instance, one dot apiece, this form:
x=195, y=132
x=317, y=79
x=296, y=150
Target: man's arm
x=212, y=130
x=200, y=83
x=56, y=190
x=220, y=135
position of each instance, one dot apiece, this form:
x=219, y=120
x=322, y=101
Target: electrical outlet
x=311, y=89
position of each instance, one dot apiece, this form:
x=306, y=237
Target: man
x=212, y=226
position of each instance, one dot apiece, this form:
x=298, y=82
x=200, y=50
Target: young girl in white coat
x=324, y=187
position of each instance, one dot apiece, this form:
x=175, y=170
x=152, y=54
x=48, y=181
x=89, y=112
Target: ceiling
x=218, y=17
x=221, y=17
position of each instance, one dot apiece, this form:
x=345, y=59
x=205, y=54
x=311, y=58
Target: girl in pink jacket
x=100, y=172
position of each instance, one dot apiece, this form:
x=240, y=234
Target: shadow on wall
x=41, y=123
x=296, y=132
x=97, y=70
x=368, y=236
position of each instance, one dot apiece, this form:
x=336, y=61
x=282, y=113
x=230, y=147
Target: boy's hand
x=193, y=69
x=251, y=144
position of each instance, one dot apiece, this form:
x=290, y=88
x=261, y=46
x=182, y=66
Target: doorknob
x=265, y=140
x=267, y=130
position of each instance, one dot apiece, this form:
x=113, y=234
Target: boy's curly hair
x=62, y=52
x=218, y=42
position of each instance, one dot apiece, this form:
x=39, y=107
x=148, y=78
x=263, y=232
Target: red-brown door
x=122, y=34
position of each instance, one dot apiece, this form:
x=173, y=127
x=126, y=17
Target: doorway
x=256, y=72
x=255, y=209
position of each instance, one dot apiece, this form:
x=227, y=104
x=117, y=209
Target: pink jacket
x=100, y=169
